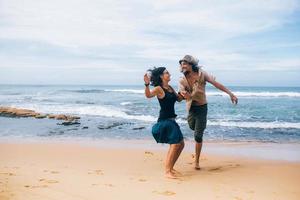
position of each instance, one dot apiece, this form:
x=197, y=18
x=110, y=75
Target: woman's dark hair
x=156, y=72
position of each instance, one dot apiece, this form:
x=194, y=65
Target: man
x=192, y=88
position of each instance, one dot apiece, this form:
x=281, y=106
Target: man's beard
x=185, y=72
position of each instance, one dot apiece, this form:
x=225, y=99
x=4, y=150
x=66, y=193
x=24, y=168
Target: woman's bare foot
x=197, y=166
x=170, y=175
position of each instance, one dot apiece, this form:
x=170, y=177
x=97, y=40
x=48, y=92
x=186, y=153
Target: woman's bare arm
x=151, y=93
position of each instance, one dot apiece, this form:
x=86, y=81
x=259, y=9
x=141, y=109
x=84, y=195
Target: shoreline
x=72, y=171
x=252, y=150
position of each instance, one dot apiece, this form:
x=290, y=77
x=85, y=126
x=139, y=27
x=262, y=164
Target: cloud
x=107, y=34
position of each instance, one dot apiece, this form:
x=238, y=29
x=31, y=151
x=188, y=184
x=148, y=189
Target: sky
x=111, y=42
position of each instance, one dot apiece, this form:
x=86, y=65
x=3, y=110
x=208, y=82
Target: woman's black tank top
x=167, y=105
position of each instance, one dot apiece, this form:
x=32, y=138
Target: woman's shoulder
x=159, y=91
x=157, y=88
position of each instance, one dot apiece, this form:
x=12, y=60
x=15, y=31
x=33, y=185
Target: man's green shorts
x=197, y=120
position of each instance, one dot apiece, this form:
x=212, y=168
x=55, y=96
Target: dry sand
x=37, y=171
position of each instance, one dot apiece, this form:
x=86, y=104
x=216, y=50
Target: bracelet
x=147, y=84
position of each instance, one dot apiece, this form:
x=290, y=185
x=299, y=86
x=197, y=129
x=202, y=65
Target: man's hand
x=234, y=99
x=185, y=94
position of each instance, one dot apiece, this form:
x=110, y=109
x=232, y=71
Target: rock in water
x=19, y=112
x=68, y=123
x=40, y=116
x=109, y=126
x=139, y=128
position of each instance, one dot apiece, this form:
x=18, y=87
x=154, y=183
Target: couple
x=191, y=89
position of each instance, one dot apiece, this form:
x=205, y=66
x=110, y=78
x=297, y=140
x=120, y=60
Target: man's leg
x=198, y=148
x=200, y=125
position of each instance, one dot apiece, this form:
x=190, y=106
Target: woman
x=166, y=130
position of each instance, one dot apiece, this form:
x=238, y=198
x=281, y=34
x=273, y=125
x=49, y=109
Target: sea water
x=263, y=114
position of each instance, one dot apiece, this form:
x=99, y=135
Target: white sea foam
x=95, y=110
x=109, y=111
x=257, y=94
x=125, y=103
x=217, y=93
x=126, y=90
x=264, y=125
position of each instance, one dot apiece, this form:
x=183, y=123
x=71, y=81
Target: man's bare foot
x=170, y=175
x=176, y=172
x=197, y=166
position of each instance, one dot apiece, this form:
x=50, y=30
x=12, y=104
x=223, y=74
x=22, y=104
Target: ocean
x=263, y=114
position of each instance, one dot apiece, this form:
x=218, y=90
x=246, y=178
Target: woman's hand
x=146, y=79
x=234, y=99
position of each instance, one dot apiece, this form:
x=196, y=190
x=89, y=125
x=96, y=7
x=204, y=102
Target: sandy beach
x=55, y=170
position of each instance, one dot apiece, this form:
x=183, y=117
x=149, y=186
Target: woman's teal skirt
x=167, y=131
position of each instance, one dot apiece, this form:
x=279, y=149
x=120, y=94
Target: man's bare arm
x=221, y=87
x=182, y=90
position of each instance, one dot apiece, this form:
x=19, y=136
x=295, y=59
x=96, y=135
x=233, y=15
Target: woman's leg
x=170, y=159
x=179, y=150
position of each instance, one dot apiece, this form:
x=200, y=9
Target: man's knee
x=191, y=124
x=198, y=136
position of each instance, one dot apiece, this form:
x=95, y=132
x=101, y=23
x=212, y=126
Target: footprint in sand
x=43, y=182
x=105, y=184
x=215, y=169
x=165, y=193
x=48, y=181
x=7, y=173
x=222, y=168
x=142, y=180
x=52, y=172
x=35, y=186
x=109, y=185
x=96, y=172
x=238, y=198
x=149, y=153
x=39, y=186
